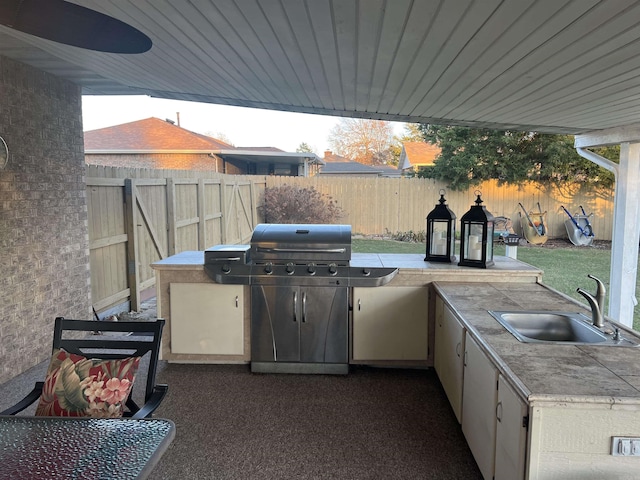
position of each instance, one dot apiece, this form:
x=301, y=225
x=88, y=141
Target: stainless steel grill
x=300, y=277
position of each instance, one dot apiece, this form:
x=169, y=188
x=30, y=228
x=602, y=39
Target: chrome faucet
x=596, y=314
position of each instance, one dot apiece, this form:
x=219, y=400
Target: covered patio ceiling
x=545, y=65
x=557, y=66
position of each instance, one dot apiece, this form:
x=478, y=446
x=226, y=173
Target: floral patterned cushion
x=77, y=386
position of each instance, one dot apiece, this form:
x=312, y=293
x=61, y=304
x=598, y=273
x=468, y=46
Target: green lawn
x=565, y=269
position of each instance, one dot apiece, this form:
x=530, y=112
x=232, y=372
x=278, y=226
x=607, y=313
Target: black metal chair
x=137, y=339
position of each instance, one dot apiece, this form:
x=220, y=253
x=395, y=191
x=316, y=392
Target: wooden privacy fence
x=389, y=205
x=139, y=216
x=134, y=222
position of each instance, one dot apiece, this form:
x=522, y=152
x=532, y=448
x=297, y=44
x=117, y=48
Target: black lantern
x=476, y=236
x=441, y=233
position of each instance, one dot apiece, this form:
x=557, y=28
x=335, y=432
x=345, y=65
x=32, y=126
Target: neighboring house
x=416, y=155
x=338, y=165
x=160, y=144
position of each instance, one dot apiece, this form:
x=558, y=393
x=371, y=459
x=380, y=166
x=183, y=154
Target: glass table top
x=81, y=448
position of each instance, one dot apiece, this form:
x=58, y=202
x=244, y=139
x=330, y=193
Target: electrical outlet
x=625, y=446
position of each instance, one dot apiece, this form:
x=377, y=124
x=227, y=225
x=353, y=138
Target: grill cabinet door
x=299, y=324
x=324, y=325
x=275, y=332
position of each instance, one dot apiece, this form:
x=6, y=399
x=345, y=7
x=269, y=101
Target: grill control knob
x=268, y=268
x=311, y=268
x=366, y=272
x=333, y=269
x=226, y=268
x=290, y=268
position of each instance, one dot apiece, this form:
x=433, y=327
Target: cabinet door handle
x=464, y=361
x=359, y=304
x=458, y=346
x=499, y=412
x=304, y=307
x=237, y=301
x=295, y=306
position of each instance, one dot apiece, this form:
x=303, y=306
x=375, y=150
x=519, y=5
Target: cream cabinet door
x=480, y=397
x=207, y=318
x=448, y=358
x=390, y=323
x=511, y=433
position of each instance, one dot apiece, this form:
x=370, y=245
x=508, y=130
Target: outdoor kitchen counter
x=548, y=373
x=505, y=268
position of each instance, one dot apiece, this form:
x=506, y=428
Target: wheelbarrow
x=533, y=225
x=579, y=228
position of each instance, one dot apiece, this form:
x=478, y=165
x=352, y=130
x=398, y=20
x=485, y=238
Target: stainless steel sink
x=556, y=327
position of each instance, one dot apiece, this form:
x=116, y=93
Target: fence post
x=131, y=216
x=171, y=217
x=201, y=212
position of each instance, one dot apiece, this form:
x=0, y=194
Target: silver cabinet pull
x=458, y=345
x=499, y=412
x=359, y=304
x=295, y=306
x=304, y=307
x=237, y=301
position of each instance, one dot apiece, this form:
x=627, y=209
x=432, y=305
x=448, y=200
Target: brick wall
x=164, y=161
x=44, y=250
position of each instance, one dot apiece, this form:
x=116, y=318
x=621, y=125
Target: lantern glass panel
x=489, y=254
x=439, y=237
x=473, y=245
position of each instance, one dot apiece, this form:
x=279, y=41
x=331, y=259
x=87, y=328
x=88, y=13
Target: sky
x=243, y=127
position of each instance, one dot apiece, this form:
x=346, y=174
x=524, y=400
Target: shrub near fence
x=139, y=216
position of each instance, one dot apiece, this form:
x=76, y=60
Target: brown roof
x=420, y=153
x=260, y=149
x=149, y=134
x=330, y=157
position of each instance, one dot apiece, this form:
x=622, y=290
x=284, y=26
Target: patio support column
x=626, y=235
x=626, y=214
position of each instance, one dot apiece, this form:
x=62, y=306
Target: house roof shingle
x=149, y=134
x=417, y=154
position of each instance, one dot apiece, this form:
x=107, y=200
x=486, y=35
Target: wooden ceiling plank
x=369, y=23
x=427, y=28
x=307, y=62
x=231, y=43
x=604, y=60
x=346, y=41
x=323, y=31
x=274, y=47
x=502, y=50
x=460, y=36
x=562, y=46
x=392, y=33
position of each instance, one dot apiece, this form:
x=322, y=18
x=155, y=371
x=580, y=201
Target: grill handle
x=300, y=250
x=304, y=307
x=295, y=306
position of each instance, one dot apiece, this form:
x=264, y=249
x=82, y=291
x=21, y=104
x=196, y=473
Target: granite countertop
x=585, y=373
x=411, y=263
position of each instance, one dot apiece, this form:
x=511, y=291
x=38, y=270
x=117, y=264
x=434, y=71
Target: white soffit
x=547, y=65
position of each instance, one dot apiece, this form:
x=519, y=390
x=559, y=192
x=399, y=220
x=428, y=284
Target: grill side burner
x=300, y=278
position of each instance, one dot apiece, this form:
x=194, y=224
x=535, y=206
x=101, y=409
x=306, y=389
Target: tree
x=470, y=156
x=220, y=136
x=304, y=148
x=364, y=141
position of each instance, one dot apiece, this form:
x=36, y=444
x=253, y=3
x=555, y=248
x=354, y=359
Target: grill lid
x=275, y=242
